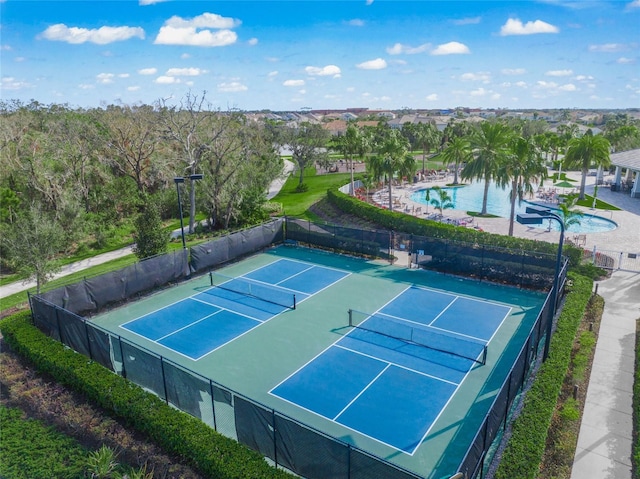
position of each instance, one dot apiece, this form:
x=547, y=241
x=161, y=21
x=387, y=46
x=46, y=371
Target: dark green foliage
x=150, y=236
x=410, y=224
x=176, y=432
x=30, y=449
x=525, y=449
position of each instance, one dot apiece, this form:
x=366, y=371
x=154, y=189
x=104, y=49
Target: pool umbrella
x=563, y=185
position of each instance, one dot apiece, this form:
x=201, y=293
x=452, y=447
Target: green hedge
x=422, y=227
x=177, y=433
x=525, y=449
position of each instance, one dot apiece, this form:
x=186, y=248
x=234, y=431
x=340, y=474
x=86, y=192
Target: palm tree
x=393, y=157
x=352, y=144
x=523, y=168
x=490, y=147
x=458, y=151
x=427, y=136
x=442, y=201
x=585, y=151
x=569, y=215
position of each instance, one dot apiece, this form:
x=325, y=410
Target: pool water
x=469, y=198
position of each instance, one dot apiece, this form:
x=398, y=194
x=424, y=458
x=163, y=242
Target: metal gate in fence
x=614, y=260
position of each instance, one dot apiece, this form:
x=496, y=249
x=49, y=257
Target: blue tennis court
x=231, y=307
x=400, y=365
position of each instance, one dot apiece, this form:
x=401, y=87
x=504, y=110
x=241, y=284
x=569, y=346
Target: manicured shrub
x=526, y=446
x=177, y=433
x=422, y=227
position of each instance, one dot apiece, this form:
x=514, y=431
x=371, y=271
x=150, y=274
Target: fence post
x=164, y=381
x=213, y=405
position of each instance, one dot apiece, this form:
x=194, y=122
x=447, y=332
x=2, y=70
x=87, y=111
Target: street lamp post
x=192, y=199
x=536, y=215
x=178, y=180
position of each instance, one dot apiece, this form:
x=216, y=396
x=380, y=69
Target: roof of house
x=627, y=159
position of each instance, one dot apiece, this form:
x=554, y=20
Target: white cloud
x=567, y=87
x=521, y=84
x=329, y=70
x=10, y=83
x=105, y=78
x=554, y=88
x=184, y=72
x=559, y=73
x=150, y=2
x=197, y=31
x=399, y=48
x=133, y=88
x=484, y=77
x=252, y=41
x=356, y=22
x=85, y=86
x=634, y=4
x=583, y=77
x=432, y=97
x=479, y=92
x=272, y=75
x=624, y=60
x=185, y=56
x=546, y=84
x=206, y=20
x=147, y=71
x=608, y=47
x=513, y=71
x=514, y=26
x=451, y=48
x=293, y=83
x=377, y=64
x=165, y=80
x=101, y=36
x=232, y=87
x=467, y=21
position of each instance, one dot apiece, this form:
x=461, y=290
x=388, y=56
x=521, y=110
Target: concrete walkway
x=19, y=286
x=605, y=440
x=12, y=288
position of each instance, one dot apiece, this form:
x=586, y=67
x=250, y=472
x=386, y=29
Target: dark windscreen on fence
x=291, y=444
x=235, y=245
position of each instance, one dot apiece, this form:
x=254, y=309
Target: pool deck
x=625, y=238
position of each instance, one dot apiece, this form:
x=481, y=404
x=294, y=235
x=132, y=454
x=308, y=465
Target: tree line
x=75, y=179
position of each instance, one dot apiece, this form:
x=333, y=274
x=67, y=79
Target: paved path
x=605, y=440
x=19, y=286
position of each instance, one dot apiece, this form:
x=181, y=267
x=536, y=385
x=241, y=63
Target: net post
x=350, y=317
x=294, y=301
x=211, y=277
x=484, y=355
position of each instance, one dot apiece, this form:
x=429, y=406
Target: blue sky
x=297, y=54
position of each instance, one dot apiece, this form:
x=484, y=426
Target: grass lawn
x=600, y=205
x=297, y=204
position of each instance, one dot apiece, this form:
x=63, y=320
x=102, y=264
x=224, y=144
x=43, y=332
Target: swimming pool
x=469, y=198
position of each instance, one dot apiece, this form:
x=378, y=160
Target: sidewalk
x=605, y=439
x=19, y=286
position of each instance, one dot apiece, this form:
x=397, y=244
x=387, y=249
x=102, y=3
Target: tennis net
x=253, y=289
x=419, y=335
